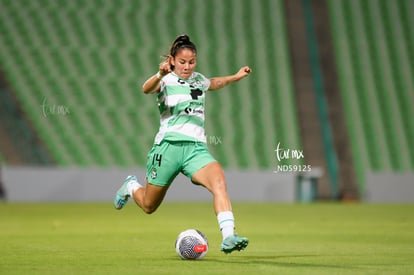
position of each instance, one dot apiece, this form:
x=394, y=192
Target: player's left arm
x=222, y=81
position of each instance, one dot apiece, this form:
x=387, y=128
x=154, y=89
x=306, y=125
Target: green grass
x=284, y=239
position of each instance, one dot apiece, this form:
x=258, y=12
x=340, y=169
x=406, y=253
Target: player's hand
x=243, y=72
x=165, y=67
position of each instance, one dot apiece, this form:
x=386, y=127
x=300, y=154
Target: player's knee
x=219, y=186
x=149, y=209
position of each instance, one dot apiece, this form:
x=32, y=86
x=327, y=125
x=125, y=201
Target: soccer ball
x=191, y=244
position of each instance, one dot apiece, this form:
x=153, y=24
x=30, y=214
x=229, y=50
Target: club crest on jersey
x=154, y=173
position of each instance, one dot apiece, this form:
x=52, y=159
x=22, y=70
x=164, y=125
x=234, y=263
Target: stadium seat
x=373, y=47
x=92, y=57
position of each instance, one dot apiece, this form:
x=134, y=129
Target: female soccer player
x=180, y=145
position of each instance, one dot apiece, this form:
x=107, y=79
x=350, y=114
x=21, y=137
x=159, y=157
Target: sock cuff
x=225, y=217
x=133, y=186
x=226, y=223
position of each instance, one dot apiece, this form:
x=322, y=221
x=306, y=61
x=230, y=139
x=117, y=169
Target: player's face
x=184, y=63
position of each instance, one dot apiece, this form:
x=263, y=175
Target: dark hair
x=181, y=42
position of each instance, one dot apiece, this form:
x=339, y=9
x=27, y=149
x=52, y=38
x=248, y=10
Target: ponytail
x=181, y=42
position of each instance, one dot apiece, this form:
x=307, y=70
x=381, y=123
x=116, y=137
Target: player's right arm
x=152, y=84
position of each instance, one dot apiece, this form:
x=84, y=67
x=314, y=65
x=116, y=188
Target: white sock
x=133, y=186
x=226, y=222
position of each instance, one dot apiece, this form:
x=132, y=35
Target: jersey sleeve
x=205, y=82
x=162, y=86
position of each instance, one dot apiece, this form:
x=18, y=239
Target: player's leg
x=211, y=176
x=203, y=169
x=150, y=197
x=162, y=168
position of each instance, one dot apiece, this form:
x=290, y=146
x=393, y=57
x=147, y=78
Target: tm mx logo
x=214, y=140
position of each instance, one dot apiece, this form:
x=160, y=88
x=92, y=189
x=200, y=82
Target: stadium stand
x=374, y=52
x=76, y=68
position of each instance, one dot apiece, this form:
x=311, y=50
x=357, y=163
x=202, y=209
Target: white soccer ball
x=191, y=244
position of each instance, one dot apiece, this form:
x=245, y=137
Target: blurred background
x=327, y=113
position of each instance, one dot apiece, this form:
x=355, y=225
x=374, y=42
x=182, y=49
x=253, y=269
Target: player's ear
x=171, y=60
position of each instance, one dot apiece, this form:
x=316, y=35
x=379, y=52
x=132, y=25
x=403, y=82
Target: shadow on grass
x=280, y=261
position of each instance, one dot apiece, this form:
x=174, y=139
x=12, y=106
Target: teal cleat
x=122, y=195
x=234, y=243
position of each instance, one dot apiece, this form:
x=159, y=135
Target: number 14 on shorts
x=157, y=159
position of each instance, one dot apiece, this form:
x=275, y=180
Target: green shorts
x=167, y=159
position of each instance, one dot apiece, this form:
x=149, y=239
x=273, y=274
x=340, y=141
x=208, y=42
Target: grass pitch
x=284, y=239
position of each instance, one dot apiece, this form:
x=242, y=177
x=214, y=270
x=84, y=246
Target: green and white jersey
x=181, y=105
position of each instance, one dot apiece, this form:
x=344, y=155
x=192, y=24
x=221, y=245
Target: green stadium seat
x=93, y=56
x=372, y=43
